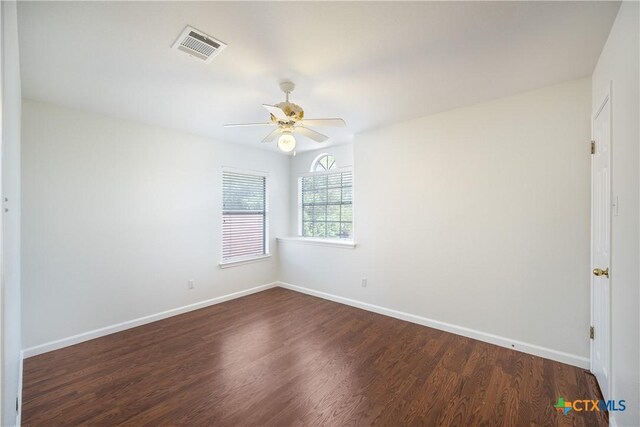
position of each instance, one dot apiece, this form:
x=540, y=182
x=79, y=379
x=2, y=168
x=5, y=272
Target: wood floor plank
x=281, y=358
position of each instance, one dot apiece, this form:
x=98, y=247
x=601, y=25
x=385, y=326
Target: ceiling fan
x=289, y=119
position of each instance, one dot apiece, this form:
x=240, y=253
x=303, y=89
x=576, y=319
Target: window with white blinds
x=326, y=204
x=244, y=216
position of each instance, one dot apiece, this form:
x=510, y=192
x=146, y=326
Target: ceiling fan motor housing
x=295, y=112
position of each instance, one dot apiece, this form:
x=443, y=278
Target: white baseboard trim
x=96, y=333
x=571, y=359
x=547, y=353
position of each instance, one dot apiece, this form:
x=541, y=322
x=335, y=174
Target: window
x=244, y=216
x=326, y=205
x=323, y=162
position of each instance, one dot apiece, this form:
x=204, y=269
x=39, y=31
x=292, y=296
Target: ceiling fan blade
x=323, y=122
x=310, y=133
x=272, y=135
x=235, y=125
x=276, y=111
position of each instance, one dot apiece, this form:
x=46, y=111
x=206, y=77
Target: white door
x=601, y=247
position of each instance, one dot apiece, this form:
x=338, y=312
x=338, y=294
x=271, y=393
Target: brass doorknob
x=601, y=272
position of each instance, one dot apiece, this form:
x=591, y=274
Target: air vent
x=198, y=44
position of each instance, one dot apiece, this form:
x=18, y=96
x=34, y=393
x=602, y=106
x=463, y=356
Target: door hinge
x=593, y=147
x=592, y=332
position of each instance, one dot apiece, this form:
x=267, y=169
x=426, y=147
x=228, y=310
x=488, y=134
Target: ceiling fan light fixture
x=287, y=142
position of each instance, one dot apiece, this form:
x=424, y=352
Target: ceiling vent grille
x=198, y=44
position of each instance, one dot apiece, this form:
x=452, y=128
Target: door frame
x=606, y=98
x=1, y=213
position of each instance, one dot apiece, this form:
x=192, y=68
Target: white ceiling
x=369, y=63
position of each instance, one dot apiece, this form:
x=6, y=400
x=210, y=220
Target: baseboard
x=547, y=353
x=96, y=333
x=571, y=359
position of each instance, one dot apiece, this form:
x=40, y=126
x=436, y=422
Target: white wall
x=11, y=100
x=477, y=217
x=118, y=216
x=618, y=63
x=301, y=164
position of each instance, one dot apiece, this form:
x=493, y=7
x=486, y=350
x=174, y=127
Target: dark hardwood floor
x=282, y=358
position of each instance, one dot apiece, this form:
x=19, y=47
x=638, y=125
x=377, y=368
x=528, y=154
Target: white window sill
x=336, y=243
x=243, y=261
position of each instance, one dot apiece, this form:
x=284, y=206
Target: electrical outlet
x=364, y=282
x=191, y=284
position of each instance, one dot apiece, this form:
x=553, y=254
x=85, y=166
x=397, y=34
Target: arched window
x=323, y=162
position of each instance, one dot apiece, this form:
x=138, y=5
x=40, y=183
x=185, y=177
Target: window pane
x=308, y=197
x=346, y=230
x=319, y=229
x=333, y=229
x=320, y=196
x=307, y=183
x=334, y=181
x=347, y=213
x=307, y=229
x=347, y=180
x=347, y=194
x=334, y=195
x=333, y=213
x=321, y=181
x=307, y=213
x=320, y=213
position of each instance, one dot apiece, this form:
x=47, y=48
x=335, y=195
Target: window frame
x=336, y=170
x=319, y=157
x=240, y=260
